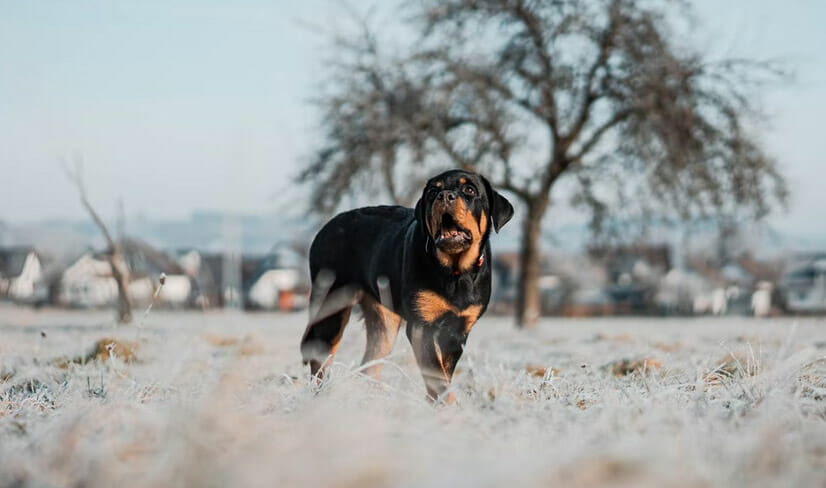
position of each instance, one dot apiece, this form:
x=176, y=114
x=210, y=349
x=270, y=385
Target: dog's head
x=457, y=210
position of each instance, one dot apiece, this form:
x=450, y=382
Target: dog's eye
x=469, y=191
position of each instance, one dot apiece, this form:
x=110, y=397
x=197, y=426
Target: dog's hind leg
x=382, y=328
x=326, y=326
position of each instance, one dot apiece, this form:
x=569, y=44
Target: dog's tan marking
x=450, y=396
x=463, y=180
x=431, y=306
x=471, y=315
x=345, y=317
x=389, y=317
x=382, y=325
x=439, y=184
x=465, y=218
x=444, y=259
x=377, y=312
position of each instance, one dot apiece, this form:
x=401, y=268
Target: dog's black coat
x=429, y=267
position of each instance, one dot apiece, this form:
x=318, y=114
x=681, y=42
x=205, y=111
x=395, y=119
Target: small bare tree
x=529, y=92
x=116, y=262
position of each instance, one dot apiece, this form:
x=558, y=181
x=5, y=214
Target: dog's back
x=356, y=244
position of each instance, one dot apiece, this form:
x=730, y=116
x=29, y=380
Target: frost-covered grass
x=221, y=399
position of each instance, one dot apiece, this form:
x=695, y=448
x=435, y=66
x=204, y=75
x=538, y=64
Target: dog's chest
x=459, y=301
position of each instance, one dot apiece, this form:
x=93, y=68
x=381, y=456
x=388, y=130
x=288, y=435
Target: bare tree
x=527, y=92
x=116, y=262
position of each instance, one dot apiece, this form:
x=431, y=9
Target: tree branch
x=589, y=144
x=75, y=176
x=120, y=273
x=506, y=184
x=534, y=27
x=606, y=46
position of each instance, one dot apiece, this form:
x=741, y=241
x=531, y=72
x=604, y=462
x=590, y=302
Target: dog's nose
x=447, y=196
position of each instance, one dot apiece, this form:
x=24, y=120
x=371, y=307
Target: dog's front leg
x=438, y=347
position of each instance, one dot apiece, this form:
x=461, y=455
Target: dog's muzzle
x=448, y=235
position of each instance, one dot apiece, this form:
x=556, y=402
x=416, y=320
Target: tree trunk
x=527, y=298
x=121, y=275
x=120, y=272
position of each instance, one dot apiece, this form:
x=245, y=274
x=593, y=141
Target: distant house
x=21, y=272
x=682, y=292
x=568, y=285
x=633, y=275
x=189, y=260
x=146, y=264
x=643, y=264
x=504, y=273
x=88, y=281
x=761, y=299
x=210, y=288
x=204, y=271
x=804, y=284
x=553, y=290
x=275, y=289
x=275, y=282
x=732, y=285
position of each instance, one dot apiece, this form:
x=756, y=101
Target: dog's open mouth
x=450, y=236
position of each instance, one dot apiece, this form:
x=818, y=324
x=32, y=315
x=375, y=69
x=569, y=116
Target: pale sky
x=204, y=104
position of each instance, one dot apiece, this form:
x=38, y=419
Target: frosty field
x=221, y=399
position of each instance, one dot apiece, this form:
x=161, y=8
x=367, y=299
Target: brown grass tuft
x=539, y=371
x=110, y=347
x=102, y=350
x=625, y=367
x=730, y=366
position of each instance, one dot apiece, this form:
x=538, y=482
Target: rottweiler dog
x=428, y=267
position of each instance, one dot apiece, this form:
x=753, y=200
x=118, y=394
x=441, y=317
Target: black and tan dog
x=428, y=267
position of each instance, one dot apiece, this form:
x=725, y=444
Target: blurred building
x=88, y=280
x=276, y=281
x=21, y=272
x=633, y=273
x=804, y=284
x=270, y=281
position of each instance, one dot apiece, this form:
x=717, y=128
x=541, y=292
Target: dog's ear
x=501, y=209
